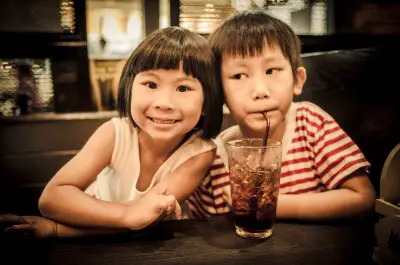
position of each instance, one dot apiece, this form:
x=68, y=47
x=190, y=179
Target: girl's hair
x=165, y=49
x=245, y=34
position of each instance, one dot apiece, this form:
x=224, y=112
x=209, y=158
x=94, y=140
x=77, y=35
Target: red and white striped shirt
x=317, y=155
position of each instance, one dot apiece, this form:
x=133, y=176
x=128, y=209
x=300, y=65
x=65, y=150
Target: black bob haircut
x=165, y=49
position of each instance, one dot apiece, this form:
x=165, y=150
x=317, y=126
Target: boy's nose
x=260, y=91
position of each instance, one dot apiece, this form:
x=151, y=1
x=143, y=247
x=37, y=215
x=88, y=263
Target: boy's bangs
x=246, y=35
x=246, y=42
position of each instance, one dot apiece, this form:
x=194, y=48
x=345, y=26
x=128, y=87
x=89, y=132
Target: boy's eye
x=151, y=85
x=182, y=89
x=270, y=71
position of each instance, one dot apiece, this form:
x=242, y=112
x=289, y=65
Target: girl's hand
x=35, y=226
x=149, y=208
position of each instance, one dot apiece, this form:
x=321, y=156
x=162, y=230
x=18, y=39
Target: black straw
x=266, y=136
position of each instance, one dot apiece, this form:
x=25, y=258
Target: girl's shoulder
x=195, y=141
x=192, y=147
x=121, y=122
x=123, y=126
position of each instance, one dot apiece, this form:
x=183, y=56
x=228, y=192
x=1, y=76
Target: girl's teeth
x=163, y=121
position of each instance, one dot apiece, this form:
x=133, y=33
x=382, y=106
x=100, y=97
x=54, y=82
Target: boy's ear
x=301, y=75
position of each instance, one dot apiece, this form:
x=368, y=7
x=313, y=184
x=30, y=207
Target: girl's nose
x=163, y=100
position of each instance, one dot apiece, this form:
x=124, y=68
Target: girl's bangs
x=168, y=56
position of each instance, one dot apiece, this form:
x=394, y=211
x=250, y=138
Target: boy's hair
x=165, y=49
x=246, y=33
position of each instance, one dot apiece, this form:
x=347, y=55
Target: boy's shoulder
x=228, y=134
x=308, y=112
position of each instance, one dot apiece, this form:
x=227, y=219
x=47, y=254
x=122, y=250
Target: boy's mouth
x=267, y=112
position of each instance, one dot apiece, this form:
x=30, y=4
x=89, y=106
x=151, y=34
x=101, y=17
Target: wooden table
x=211, y=241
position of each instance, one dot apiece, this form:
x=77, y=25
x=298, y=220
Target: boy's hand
x=32, y=226
x=149, y=208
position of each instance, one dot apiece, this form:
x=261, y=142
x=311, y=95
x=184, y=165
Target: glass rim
x=234, y=143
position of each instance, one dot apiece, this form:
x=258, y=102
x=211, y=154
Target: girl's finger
x=170, y=200
x=12, y=219
x=20, y=227
x=178, y=211
x=167, y=203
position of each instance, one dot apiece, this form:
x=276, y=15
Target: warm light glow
x=165, y=20
x=115, y=28
x=241, y=5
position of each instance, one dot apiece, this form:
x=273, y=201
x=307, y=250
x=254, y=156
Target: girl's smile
x=166, y=104
x=163, y=121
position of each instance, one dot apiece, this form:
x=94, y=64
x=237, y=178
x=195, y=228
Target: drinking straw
x=266, y=136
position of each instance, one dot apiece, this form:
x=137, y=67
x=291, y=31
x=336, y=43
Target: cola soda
x=254, y=189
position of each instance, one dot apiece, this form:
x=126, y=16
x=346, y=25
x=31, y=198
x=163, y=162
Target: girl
x=135, y=168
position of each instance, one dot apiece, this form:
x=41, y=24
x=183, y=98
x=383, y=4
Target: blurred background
x=66, y=56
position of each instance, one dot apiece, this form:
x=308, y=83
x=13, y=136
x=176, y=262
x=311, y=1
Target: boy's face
x=262, y=83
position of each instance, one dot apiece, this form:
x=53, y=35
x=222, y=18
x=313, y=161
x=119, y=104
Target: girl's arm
x=185, y=179
x=64, y=200
x=151, y=206
x=40, y=227
x=354, y=198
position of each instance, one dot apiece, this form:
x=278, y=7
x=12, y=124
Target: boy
x=323, y=173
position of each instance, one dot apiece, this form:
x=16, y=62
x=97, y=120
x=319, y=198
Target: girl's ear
x=301, y=75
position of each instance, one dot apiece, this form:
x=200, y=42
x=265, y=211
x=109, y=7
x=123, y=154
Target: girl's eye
x=238, y=76
x=151, y=85
x=182, y=89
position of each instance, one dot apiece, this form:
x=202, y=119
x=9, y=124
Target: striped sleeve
x=208, y=199
x=336, y=156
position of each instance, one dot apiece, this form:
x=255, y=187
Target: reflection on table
x=210, y=241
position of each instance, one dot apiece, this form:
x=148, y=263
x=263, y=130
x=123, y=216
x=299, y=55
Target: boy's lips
x=267, y=112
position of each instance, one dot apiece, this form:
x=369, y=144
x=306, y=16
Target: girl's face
x=166, y=104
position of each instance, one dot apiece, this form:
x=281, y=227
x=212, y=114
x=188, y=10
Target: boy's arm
x=355, y=197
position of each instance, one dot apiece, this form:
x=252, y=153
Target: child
x=169, y=107
x=323, y=173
